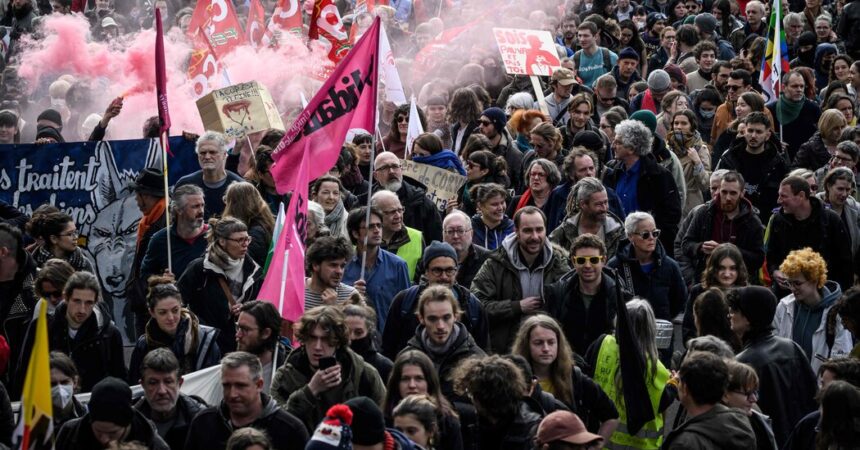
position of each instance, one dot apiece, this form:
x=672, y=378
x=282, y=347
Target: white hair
x=456, y=213
x=212, y=136
x=634, y=134
x=520, y=100
x=633, y=220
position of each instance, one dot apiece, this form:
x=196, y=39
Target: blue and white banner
x=89, y=181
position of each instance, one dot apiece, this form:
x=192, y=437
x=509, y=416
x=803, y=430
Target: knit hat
x=334, y=431
x=588, y=139
x=49, y=133
x=647, y=118
x=628, y=53
x=497, y=116
x=653, y=18
x=675, y=73
x=110, y=401
x=438, y=249
x=806, y=38
x=53, y=115
x=659, y=81
x=368, y=424
x=564, y=426
x=756, y=303
x=706, y=23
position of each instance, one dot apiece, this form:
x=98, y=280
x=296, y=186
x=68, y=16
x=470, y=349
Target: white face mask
x=61, y=395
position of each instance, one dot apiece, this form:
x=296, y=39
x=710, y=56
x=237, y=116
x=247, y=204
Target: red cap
x=564, y=426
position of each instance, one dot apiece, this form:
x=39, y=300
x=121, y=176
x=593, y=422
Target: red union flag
x=203, y=66
x=256, y=25
x=347, y=100
x=326, y=27
x=286, y=18
x=219, y=23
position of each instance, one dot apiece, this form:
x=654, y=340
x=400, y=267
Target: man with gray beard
x=187, y=234
x=420, y=212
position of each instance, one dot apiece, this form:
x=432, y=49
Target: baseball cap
x=563, y=76
x=564, y=426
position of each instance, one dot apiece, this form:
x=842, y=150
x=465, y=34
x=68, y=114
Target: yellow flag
x=35, y=424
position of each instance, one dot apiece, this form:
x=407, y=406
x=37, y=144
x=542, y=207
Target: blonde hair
x=805, y=262
x=830, y=120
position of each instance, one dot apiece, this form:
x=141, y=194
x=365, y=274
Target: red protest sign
x=527, y=52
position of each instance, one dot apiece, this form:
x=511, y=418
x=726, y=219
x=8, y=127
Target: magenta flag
x=160, y=74
x=346, y=100
x=284, y=285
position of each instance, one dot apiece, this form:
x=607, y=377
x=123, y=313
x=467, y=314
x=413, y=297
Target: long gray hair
x=644, y=327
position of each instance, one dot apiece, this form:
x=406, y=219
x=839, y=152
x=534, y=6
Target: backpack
x=473, y=308
x=607, y=59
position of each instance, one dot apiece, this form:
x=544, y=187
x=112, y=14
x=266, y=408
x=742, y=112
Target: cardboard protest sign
x=527, y=52
x=240, y=109
x=442, y=185
x=89, y=181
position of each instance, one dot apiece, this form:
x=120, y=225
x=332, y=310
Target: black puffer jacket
x=186, y=408
x=464, y=347
x=812, y=154
x=663, y=287
x=787, y=384
x=78, y=434
x=762, y=193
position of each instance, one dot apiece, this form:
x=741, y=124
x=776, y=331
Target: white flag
x=388, y=72
x=415, y=128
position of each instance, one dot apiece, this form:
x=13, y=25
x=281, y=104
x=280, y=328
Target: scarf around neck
x=150, y=219
x=787, y=110
x=334, y=218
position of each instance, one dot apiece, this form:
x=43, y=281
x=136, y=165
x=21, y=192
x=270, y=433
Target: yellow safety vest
x=411, y=251
x=649, y=436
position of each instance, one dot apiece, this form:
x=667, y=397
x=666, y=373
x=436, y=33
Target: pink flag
x=347, y=100
x=284, y=285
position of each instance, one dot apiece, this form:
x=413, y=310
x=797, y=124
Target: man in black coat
x=162, y=403
x=17, y=275
x=457, y=231
x=804, y=221
x=795, y=116
x=149, y=194
x=244, y=405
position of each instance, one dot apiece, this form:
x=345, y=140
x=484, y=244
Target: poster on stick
x=527, y=52
x=442, y=185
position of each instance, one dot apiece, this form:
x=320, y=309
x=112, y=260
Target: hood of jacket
x=464, y=345
x=411, y=193
x=511, y=246
x=745, y=206
x=99, y=320
x=830, y=294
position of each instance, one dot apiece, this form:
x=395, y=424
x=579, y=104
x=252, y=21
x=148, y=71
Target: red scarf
x=149, y=219
x=524, y=200
x=648, y=102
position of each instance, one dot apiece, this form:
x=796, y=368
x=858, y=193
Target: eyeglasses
x=438, y=271
x=387, y=167
x=796, y=283
x=537, y=175
x=71, y=234
x=485, y=123
x=456, y=231
x=394, y=211
x=730, y=87
x=648, y=234
x=55, y=294
x=241, y=241
x=750, y=395
x=593, y=260
x=401, y=119
x=373, y=226
x=243, y=329
x=605, y=127
x=845, y=159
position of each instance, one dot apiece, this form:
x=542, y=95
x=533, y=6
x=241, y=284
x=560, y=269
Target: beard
x=727, y=207
x=393, y=185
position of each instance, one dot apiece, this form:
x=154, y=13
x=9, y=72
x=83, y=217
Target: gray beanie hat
x=706, y=22
x=659, y=80
x=438, y=249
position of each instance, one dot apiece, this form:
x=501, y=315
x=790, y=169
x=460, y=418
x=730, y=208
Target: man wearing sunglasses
x=583, y=301
x=440, y=260
x=740, y=81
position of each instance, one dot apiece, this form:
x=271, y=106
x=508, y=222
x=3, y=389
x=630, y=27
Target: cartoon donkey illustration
x=112, y=236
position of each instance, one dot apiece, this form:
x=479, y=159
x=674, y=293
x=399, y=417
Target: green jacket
x=290, y=387
x=499, y=288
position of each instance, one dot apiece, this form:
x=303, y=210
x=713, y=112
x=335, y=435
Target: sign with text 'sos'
x=527, y=52
x=442, y=185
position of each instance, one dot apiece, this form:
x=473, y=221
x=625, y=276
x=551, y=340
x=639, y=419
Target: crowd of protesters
x=654, y=188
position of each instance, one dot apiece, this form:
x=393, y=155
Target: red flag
x=256, y=25
x=327, y=28
x=203, y=67
x=433, y=52
x=346, y=100
x=286, y=18
x=284, y=285
x=219, y=23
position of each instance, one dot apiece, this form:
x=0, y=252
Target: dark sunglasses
x=648, y=234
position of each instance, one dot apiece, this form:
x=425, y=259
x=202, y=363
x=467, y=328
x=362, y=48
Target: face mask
x=362, y=345
x=61, y=396
x=707, y=114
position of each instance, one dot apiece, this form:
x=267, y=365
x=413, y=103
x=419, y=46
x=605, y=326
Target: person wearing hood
x=703, y=379
x=824, y=54
x=324, y=371
x=626, y=71
x=836, y=195
x=245, y=405
x=360, y=319
x=175, y=328
x=806, y=49
x=686, y=143
x=787, y=384
x=427, y=149
x=511, y=282
x=441, y=336
x=216, y=284
x=369, y=431
x=706, y=25
x=110, y=419
x=647, y=270
x=491, y=224
x=802, y=315
x=803, y=221
x=588, y=212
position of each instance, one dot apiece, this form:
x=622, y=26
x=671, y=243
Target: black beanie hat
x=588, y=139
x=806, y=38
x=756, y=303
x=368, y=424
x=497, y=116
x=110, y=401
x=51, y=114
x=49, y=132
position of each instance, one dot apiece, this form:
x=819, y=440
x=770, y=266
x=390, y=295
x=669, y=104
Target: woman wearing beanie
x=216, y=284
x=787, y=383
x=175, y=328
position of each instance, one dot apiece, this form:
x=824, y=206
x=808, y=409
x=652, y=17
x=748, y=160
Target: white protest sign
x=442, y=185
x=527, y=52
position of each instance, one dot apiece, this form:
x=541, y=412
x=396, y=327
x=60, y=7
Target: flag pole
x=164, y=144
x=164, y=119
x=372, y=168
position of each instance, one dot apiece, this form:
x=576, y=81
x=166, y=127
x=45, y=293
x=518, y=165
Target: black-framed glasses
x=456, y=231
x=648, y=234
x=593, y=260
x=241, y=241
x=394, y=211
x=750, y=395
x=388, y=167
x=438, y=271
